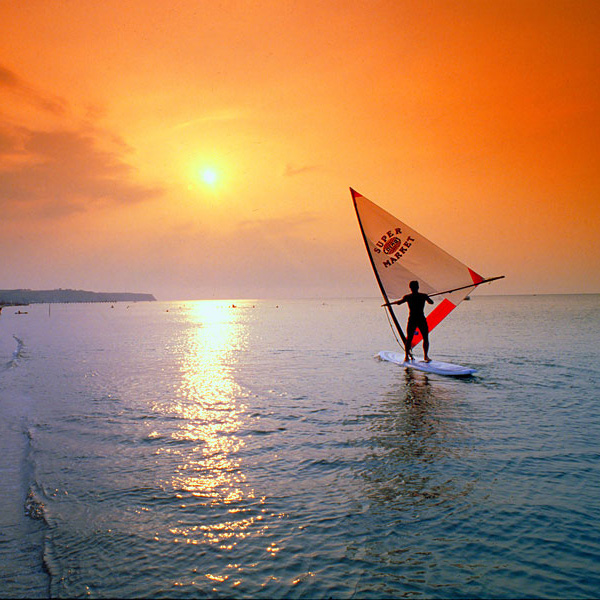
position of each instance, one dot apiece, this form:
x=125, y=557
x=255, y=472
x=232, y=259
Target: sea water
x=258, y=449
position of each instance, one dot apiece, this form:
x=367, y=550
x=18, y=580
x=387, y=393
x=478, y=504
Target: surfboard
x=435, y=366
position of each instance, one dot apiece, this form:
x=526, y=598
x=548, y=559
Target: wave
x=18, y=354
x=35, y=508
x=34, y=502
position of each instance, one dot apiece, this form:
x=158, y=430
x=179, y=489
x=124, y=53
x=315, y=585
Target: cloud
x=223, y=115
x=47, y=102
x=65, y=167
x=291, y=171
x=49, y=174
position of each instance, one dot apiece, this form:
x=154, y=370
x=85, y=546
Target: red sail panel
x=476, y=278
x=435, y=317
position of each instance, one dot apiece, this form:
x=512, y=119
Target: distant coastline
x=24, y=297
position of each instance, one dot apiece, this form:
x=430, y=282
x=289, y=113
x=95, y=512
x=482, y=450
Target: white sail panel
x=399, y=254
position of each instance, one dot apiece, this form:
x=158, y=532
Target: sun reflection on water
x=210, y=415
x=210, y=404
x=207, y=422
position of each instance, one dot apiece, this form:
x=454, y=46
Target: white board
x=435, y=366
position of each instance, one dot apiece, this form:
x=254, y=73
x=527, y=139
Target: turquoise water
x=199, y=450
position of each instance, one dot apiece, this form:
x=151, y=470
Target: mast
x=381, y=288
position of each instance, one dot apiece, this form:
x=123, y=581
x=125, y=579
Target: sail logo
x=388, y=241
x=392, y=246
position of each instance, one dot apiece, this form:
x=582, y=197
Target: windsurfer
x=416, y=319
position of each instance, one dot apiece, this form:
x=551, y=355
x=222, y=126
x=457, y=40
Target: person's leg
x=410, y=332
x=424, y=329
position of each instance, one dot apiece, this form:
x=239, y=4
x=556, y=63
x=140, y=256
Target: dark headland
x=21, y=297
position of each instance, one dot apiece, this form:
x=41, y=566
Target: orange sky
x=475, y=122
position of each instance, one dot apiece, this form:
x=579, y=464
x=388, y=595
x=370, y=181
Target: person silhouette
x=416, y=319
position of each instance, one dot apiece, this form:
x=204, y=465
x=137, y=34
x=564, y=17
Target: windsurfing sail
x=399, y=254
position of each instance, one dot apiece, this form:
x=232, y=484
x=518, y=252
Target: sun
x=209, y=176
